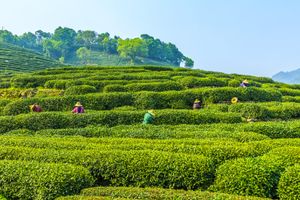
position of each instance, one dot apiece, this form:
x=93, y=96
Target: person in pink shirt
x=78, y=108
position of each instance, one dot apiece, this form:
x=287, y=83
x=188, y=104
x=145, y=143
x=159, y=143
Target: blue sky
x=259, y=37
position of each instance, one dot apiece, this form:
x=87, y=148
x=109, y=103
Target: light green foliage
x=132, y=48
x=289, y=184
x=83, y=53
x=153, y=193
x=33, y=180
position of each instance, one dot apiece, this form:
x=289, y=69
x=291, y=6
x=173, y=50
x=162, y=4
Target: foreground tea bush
x=33, y=180
x=256, y=176
x=128, y=168
x=247, y=176
x=289, y=184
x=153, y=193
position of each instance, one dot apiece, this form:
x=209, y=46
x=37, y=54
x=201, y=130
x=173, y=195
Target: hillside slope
x=218, y=148
x=13, y=58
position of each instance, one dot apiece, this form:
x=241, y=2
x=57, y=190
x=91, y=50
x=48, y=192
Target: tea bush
x=33, y=180
x=289, y=183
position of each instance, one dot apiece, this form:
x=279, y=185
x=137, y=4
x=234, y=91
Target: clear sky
x=259, y=37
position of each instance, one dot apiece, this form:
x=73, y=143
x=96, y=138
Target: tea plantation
x=14, y=58
x=246, y=150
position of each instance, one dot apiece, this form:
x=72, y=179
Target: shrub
x=114, y=88
x=153, y=193
x=33, y=180
x=54, y=120
x=248, y=176
x=250, y=110
x=234, y=83
x=89, y=101
x=128, y=168
x=80, y=89
x=289, y=92
x=193, y=82
x=289, y=183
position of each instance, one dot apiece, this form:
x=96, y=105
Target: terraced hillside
x=13, y=58
x=244, y=150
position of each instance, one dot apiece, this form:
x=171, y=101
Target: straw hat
x=197, y=101
x=245, y=81
x=234, y=100
x=151, y=112
x=78, y=104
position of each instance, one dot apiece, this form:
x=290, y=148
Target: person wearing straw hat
x=35, y=108
x=244, y=83
x=149, y=117
x=197, y=104
x=78, y=108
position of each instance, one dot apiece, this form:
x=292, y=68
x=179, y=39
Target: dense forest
x=65, y=44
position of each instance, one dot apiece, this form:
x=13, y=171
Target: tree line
x=66, y=43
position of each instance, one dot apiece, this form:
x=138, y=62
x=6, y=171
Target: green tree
x=41, y=35
x=52, y=48
x=66, y=38
x=87, y=39
x=29, y=40
x=188, y=62
x=131, y=48
x=83, y=53
x=8, y=37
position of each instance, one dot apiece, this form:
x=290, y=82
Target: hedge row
x=152, y=193
x=289, y=92
x=289, y=183
x=128, y=168
x=157, y=87
x=29, y=81
x=154, y=132
x=34, y=180
x=145, y=100
x=55, y=120
x=262, y=111
x=99, y=85
x=217, y=150
x=256, y=176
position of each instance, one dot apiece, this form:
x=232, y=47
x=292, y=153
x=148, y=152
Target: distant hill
x=292, y=77
x=14, y=58
x=87, y=47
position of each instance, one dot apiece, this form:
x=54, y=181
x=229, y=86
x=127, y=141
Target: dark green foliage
x=37, y=121
x=128, y=168
x=289, y=183
x=133, y=87
x=250, y=110
x=80, y=89
x=33, y=180
x=95, y=102
x=193, y=82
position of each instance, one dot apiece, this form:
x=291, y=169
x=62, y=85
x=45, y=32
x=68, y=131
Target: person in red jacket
x=78, y=108
x=35, y=108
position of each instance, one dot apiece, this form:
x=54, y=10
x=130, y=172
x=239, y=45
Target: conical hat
x=151, y=112
x=78, y=104
x=197, y=101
